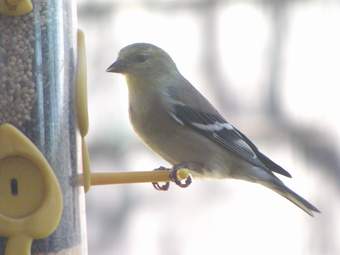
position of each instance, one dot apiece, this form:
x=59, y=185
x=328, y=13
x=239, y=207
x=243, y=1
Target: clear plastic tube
x=37, y=76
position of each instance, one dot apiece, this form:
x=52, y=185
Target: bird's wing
x=216, y=129
x=213, y=126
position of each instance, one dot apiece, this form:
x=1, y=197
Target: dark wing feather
x=272, y=165
x=225, y=135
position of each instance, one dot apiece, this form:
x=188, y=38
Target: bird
x=178, y=123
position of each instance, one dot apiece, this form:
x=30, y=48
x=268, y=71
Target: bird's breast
x=149, y=119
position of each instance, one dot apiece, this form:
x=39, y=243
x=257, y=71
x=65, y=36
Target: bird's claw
x=174, y=177
x=173, y=174
x=161, y=187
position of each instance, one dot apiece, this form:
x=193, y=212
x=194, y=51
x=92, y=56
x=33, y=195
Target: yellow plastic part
x=15, y=7
x=17, y=185
x=30, y=196
x=81, y=86
x=86, y=166
x=106, y=178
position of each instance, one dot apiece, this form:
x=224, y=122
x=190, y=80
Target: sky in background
x=236, y=53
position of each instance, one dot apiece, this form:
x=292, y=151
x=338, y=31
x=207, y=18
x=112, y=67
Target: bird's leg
x=186, y=165
x=158, y=186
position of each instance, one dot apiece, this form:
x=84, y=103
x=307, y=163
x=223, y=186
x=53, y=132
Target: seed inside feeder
x=17, y=84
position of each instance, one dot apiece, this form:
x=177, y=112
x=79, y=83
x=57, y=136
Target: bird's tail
x=278, y=186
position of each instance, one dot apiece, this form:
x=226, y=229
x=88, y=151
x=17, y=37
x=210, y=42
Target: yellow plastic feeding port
x=81, y=86
x=30, y=196
x=21, y=187
x=15, y=7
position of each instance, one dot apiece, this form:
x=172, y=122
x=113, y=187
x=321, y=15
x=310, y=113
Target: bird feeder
x=44, y=161
x=39, y=141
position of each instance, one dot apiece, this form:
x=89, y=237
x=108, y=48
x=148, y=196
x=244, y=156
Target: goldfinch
x=177, y=122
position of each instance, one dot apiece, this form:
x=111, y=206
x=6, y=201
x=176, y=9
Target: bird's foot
x=183, y=183
x=175, y=176
x=161, y=187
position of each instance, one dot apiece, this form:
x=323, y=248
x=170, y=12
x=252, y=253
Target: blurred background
x=272, y=69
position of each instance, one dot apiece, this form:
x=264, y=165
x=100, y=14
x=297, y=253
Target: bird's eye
x=140, y=58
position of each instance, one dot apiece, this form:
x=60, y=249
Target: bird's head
x=142, y=59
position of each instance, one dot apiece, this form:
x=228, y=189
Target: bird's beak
x=119, y=66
